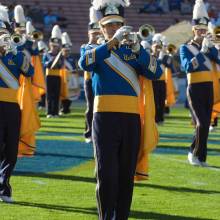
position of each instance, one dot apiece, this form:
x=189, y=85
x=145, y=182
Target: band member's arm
x=150, y=65
x=214, y=54
x=89, y=60
x=83, y=49
x=34, y=48
x=23, y=63
x=168, y=62
x=31, y=47
x=49, y=60
x=190, y=63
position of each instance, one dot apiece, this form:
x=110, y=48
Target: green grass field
x=58, y=182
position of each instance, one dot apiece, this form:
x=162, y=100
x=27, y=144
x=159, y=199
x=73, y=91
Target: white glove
x=135, y=47
x=206, y=44
x=121, y=32
x=145, y=45
x=161, y=55
x=13, y=49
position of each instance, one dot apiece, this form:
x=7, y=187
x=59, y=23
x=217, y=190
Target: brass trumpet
x=146, y=32
x=17, y=39
x=171, y=48
x=37, y=35
x=216, y=35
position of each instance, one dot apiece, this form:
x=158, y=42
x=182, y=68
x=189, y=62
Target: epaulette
x=192, y=42
x=83, y=45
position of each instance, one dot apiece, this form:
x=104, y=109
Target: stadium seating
x=77, y=13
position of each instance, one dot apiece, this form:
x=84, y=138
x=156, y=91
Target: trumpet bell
x=217, y=34
x=146, y=32
x=37, y=35
x=171, y=48
x=217, y=31
x=17, y=39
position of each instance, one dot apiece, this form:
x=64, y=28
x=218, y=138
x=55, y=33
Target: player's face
x=109, y=30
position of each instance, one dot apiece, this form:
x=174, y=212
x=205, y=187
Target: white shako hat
x=4, y=20
x=200, y=16
x=66, y=42
x=42, y=45
x=94, y=17
x=29, y=28
x=56, y=35
x=20, y=20
x=111, y=10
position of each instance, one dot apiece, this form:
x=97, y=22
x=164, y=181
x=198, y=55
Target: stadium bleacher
x=77, y=13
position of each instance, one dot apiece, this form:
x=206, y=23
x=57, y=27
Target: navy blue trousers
x=53, y=94
x=89, y=107
x=10, y=117
x=116, y=139
x=65, y=106
x=200, y=98
x=159, y=87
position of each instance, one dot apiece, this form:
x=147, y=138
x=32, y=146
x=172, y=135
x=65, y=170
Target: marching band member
x=196, y=59
x=170, y=72
x=43, y=49
x=21, y=39
x=27, y=43
x=159, y=85
x=11, y=65
x=38, y=80
x=26, y=40
x=53, y=62
x=172, y=51
x=93, y=34
x=116, y=119
x=69, y=76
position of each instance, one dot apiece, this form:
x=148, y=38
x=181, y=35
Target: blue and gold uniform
x=53, y=63
x=198, y=67
x=114, y=90
x=116, y=122
x=11, y=66
x=159, y=87
x=53, y=81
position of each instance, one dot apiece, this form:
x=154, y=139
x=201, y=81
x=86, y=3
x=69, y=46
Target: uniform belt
x=53, y=72
x=87, y=75
x=116, y=103
x=8, y=95
x=162, y=78
x=198, y=77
